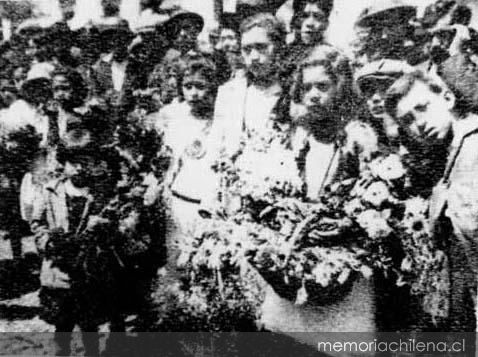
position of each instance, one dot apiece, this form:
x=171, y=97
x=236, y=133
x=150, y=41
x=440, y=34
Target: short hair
x=275, y=29
x=78, y=84
x=404, y=84
x=325, y=6
x=339, y=69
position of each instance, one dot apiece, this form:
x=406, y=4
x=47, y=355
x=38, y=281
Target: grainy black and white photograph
x=252, y=178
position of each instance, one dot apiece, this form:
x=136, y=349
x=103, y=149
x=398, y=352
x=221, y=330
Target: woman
x=329, y=147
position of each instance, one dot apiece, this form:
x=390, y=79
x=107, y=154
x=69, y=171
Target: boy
x=427, y=113
x=68, y=211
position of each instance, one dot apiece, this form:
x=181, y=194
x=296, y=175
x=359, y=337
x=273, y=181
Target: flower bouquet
x=266, y=223
x=123, y=223
x=313, y=252
x=18, y=148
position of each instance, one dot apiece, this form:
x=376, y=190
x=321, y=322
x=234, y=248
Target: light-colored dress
x=190, y=174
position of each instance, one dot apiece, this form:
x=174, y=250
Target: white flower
x=353, y=207
x=389, y=168
x=416, y=207
x=366, y=271
x=302, y=296
x=377, y=194
x=374, y=223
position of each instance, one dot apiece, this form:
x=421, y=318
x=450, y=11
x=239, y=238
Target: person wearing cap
x=110, y=77
x=183, y=29
x=373, y=80
x=389, y=32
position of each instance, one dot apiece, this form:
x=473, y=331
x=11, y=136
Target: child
x=185, y=126
x=330, y=148
x=69, y=206
x=331, y=145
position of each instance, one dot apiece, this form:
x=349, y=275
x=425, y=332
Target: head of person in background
x=8, y=92
x=323, y=86
x=227, y=51
x=198, y=85
x=67, y=8
x=86, y=163
x=451, y=36
x=37, y=87
x=69, y=88
x=229, y=36
x=373, y=80
x=390, y=34
x=115, y=37
x=424, y=108
x=311, y=20
x=214, y=37
x=149, y=4
x=110, y=8
x=262, y=48
x=184, y=28
x=165, y=82
x=61, y=40
x=19, y=75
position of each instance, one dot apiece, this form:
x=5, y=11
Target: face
x=169, y=91
x=374, y=93
x=8, y=96
x=32, y=48
x=425, y=116
x=83, y=170
x=62, y=89
x=228, y=41
x=320, y=89
x=313, y=25
x=187, y=35
x=195, y=90
x=19, y=76
x=258, y=52
x=120, y=52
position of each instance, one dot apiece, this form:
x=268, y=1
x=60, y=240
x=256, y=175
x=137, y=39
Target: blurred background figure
x=386, y=31
x=373, y=81
x=227, y=52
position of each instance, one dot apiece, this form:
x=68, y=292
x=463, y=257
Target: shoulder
x=172, y=110
x=19, y=114
x=170, y=113
x=238, y=81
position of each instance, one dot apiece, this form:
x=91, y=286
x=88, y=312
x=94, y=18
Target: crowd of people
x=110, y=136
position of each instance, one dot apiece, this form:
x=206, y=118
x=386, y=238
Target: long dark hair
x=338, y=67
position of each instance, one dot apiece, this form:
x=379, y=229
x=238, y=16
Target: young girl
x=329, y=147
x=185, y=125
